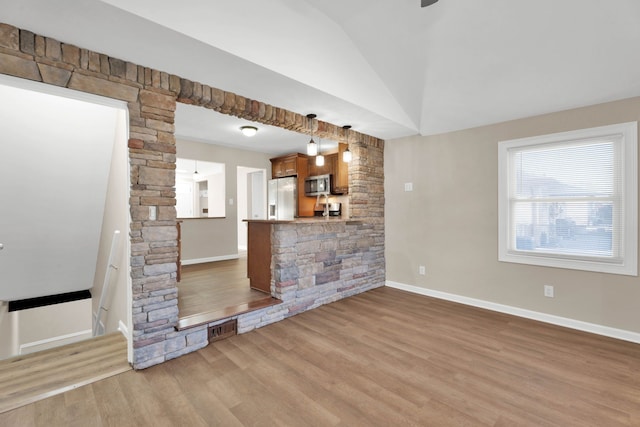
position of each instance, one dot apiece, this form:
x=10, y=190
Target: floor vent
x=223, y=330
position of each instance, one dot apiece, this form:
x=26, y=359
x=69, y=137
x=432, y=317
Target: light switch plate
x=408, y=186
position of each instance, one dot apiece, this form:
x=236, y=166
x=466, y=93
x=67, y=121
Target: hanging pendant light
x=195, y=172
x=319, y=157
x=346, y=154
x=312, y=148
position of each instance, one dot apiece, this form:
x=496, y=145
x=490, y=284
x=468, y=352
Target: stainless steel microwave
x=317, y=185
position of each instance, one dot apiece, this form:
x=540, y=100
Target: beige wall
x=8, y=332
x=449, y=223
x=65, y=323
x=207, y=238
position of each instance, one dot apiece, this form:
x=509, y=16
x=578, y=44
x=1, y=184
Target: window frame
x=626, y=261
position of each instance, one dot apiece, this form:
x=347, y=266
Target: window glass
x=569, y=200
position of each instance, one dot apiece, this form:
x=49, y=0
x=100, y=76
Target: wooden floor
x=26, y=379
x=217, y=290
x=382, y=358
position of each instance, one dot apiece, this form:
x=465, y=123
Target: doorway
x=219, y=289
x=252, y=200
x=64, y=189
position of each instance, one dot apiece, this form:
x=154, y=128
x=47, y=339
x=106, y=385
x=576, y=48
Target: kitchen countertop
x=306, y=220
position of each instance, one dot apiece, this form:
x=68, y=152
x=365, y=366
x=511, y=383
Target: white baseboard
x=123, y=329
x=210, y=259
x=620, y=334
x=32, y=347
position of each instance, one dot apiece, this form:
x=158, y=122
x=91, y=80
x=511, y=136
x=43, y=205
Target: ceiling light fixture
x=312, y=148
x=248, y=130
x=425, y=3
x=346, y=154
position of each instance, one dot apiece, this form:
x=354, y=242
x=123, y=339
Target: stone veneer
x=151, y=96
x=315, y=263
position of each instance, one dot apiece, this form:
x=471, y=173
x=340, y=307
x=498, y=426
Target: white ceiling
x=387, y=67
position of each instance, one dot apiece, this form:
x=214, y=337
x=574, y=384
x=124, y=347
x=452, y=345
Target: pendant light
x=319, y=157
x=195, y=172
x=346, y=154
x=312, y=148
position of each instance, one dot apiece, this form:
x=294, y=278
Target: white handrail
x=105, y=284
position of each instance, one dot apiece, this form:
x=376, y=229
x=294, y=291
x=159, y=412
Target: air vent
x=223, y=330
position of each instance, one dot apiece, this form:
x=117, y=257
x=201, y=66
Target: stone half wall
x=151, y=96
x=319, y=263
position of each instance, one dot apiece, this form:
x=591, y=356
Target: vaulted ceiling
x=388, y=67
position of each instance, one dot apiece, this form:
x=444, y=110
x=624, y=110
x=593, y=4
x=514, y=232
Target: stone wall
x=316, y=263
x=151, y=96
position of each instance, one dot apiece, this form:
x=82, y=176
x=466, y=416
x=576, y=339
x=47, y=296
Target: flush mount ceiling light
x=425, y=3
x=346, y=154
x=248, y=130
x=312, y=148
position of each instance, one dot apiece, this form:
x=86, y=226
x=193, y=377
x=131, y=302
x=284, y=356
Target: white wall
x=116, y=217
x=248, y=186
x=54, y=166
x=8, y=332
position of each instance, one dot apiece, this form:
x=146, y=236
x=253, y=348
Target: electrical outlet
x=153, y=213
x=422, y=270
x=548, y=291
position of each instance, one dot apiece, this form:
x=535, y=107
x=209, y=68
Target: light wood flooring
x=382, y=358
x=26, y=379
x=217, y=290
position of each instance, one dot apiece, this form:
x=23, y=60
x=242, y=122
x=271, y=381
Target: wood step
x=224, y=313
x=29, y=378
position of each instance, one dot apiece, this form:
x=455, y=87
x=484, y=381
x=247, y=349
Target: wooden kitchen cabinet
x=259, y=256
x=334, y=166
x=325, y=169
x=289, y=165
x=340, y=172
x=297, y=165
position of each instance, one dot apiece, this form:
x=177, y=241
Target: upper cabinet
x=297, y=165
x=301, y=165
x=326, y=169
x=289, y=165
x=334, y=166
x=340, y=172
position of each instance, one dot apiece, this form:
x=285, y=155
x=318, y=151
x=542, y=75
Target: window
x=569, y=200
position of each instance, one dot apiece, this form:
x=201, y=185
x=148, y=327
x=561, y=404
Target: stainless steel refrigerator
x=283, y=198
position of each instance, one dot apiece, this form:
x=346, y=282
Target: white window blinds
x=565, y=199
